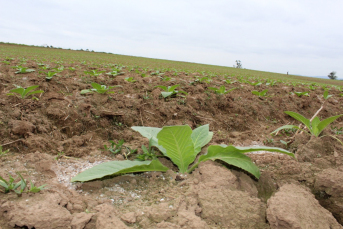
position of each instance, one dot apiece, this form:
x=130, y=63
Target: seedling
x=3, y=152
x=94, y=72
x=222, y=90
x=34, y=189
x=254, y=83
x=181, y=145
x=314, y=127
x=6, y=62
x=299, y=94
x=260, y=94
x=22, y=70
x=229, y=81
x=271, y=83
x=59, y=69
x=71, y=69
x=336, y=130
x=101, y=89
x=49, y=75
x=170, y=90
x=25, y=92
x=115, y=72
x=130, y=79
x=165, y=78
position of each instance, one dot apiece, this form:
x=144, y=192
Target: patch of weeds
x=18, y=187
x=119, y=147
x=3, y=152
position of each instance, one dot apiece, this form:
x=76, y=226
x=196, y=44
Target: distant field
x=14, y=50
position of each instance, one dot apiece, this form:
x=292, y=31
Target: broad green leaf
x=148, y=132
x=285, y=127
x=31, y=88
x=300, y=118
x=178, y=144
x=321, y=126
x=86, y=91
x=166, y=94
x=163, y=87
x=231, y=157
x=172, y=88
x=96, y=86
x=35, y=92
x=213, y=89
x=235, y=156
x=256, y=93
x=18, y=90
x=314, y=126
x=118, y=167
x=201, y=136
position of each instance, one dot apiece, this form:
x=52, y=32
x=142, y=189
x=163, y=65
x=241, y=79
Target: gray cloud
x=302, y=37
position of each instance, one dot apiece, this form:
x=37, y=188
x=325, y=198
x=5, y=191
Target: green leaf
x=300, y=118
x=166, y=94
x=235, y=156
x=285, y=127
x=321, y=126
x=96, y=86
x=256, y=93
x=231, y=157
x=149, y=132
x=178, y=144
x=35, y=92
x=86, y=91
x=118, y=167
x=200, y=137
x=163, y=87
x=172, y=88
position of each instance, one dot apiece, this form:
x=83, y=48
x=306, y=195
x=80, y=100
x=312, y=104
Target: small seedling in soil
x=94, y=72
x=336, y=130
x=101, y=89
x=222, y=90
x=3, y=152
x=115, y=73
x=254, y=83
x=130, y=79
x=299, y=94
x=170, y=90
x=314, y=127
x=22, y=70
x=25, y=92
x=260, y=94
x=49, y=75
x=181, y=145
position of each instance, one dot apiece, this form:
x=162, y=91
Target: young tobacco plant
x=101, y=89
x=22, y=70
x=222, y=90
x=49, y=75
x=314, y=127
x=94, y=72
x=11, y=185
x=260, y=94
x=181, y=145
x=25, y=92
x=170, y=90
x=299, y=94
x=130, y=79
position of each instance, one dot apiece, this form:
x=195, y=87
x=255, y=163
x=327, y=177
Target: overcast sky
x=300, y=36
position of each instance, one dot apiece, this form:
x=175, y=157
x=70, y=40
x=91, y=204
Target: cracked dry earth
x=303, y=193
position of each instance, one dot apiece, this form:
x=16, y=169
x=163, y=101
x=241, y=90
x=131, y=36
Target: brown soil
x=213, y=196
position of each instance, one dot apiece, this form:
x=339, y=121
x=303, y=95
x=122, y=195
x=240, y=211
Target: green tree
x=332, y=75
